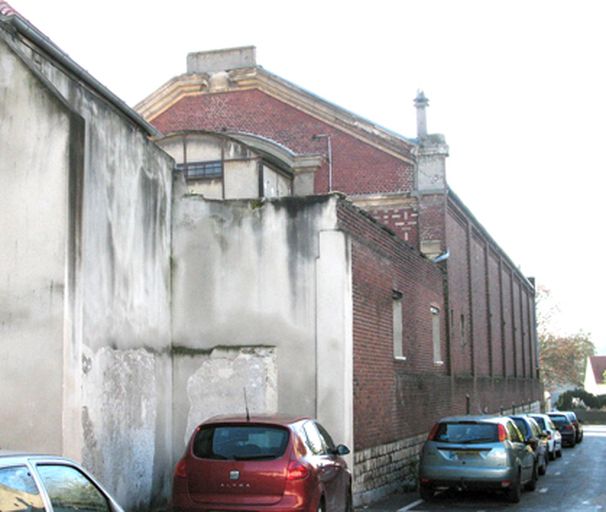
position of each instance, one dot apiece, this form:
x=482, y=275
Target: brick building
x=420, y=352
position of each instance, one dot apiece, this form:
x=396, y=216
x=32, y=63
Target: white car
x=46, y=483
x=554, y=438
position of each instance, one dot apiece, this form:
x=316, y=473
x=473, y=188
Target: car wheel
x=426, y=493
x=559, y=453
x=532, y=485
x=543, y=467
x=349, y=502
x=321, y=506
x=552, y=454
x=514, y=493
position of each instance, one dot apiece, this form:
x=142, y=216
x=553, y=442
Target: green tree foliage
x=563, y=358
x=590, y=400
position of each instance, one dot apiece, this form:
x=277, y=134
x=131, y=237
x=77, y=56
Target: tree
x=563, y=358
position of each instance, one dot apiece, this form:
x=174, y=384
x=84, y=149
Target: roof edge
x=29, y=31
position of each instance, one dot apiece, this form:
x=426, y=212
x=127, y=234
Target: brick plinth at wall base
x=385, y=469
x=393, y=467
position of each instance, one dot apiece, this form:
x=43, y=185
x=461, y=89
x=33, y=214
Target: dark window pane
x=70, y=491
x=467, y=433
x=326, y=437
x=521, y=424
x=18, y=490
x=313, y=439
x=241, y=442
x=197, y=170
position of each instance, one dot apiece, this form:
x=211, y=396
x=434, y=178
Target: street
x=576, y=482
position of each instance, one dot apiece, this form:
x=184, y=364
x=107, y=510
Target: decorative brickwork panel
x=402, y=221
x=357, y=167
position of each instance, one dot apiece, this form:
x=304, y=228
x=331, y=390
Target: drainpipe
x=329, y=144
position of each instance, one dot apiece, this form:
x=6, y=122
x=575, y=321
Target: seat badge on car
x=234, y=475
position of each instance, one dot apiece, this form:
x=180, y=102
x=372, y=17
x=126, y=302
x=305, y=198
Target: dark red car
x=268, y=463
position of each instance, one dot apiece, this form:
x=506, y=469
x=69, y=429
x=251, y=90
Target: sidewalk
x=393, y=503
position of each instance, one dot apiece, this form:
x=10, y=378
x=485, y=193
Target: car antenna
x=246, y=406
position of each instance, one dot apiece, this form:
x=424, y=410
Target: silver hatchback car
x=477, y=452
x=48, y=483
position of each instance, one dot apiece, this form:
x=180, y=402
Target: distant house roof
x=598, y=366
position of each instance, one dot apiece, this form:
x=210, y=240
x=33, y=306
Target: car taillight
x=297, y=471
x=433, y=432
x=502, y=433
x=549, y=436
x=568, y=427
x=181, y=469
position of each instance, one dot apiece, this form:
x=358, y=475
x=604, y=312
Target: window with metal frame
x=202, y=170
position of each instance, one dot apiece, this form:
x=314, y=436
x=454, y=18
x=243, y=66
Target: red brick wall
x=508, y=337
x=480, y=341
x=358, y=167
x=383, y=408
x=458, y=295
x=495, y=314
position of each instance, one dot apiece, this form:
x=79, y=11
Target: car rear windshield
x=522, y=425
x=560, y=420
x=241, y=442
x=540, y=421
x=467, y=433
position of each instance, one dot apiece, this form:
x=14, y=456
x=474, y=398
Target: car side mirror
x=342, y=450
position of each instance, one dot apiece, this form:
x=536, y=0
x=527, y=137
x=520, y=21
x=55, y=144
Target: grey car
x=477, y=452
x=49, y=483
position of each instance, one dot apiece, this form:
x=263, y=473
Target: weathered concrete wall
x=34, y=171
x=245, y=310
x=86, y=232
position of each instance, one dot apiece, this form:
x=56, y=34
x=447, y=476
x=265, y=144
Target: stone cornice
x=367, y=201
x=257, y=78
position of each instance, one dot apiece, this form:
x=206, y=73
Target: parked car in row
x=477, y=452
x=534, y=436
x=554, y=438
x=578, y=426
x=262, y=463
x=566, y=428
x=49, y=483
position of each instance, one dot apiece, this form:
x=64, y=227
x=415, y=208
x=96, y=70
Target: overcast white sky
x=517, y=87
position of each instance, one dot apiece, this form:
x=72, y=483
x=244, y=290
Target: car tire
x=532, y=484
x=321, y=506
x=543, y=467
x=559, y=453
x=349, y=501
x=426, y=493
x=514, y=493
x=553, y=454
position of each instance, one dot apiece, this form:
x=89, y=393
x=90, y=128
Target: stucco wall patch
x=118, y=420
x=217, y=387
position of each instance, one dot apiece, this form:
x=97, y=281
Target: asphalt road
x=574, y=483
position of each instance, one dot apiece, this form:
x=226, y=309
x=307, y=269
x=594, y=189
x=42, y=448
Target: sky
x=517, y=88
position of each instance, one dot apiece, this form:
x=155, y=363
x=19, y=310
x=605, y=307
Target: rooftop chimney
x=221, y=60
x=421, y=102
